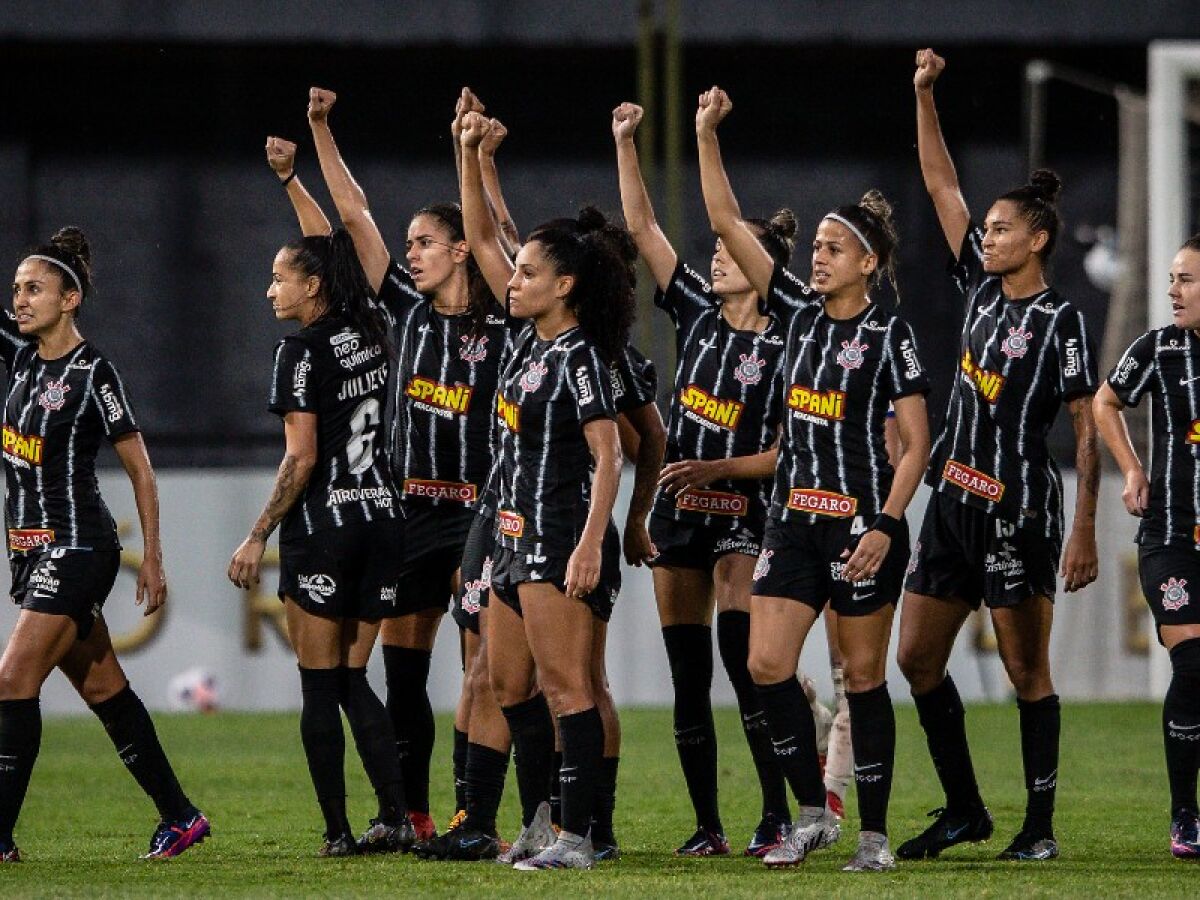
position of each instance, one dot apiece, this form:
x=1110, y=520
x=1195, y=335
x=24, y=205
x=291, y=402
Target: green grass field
x=85, y=821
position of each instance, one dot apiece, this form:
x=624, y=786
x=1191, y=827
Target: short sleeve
x=11, y=340
x=590, y=384
x=1130, y=377
x=112, y=402
x=397, y=295
x=686, y=297
x=789, y=293
x=967, y=268
x=1077, y=375
x=904, y=370
x=293, y=382
x=634, y=380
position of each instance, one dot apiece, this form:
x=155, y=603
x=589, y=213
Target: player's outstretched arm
x=937, y=168
x=652, y=244
x=491, y=142
x=281, y=157
x=483, y=236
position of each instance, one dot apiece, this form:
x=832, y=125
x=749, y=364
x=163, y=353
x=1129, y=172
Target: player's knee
x=15, y=687
x=859, y=680
x=764, y=669
x=1030, y=678
x=566, y=697
x=917, y=668
x=507, y=690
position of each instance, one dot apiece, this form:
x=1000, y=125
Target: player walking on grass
x=340, y=539
x=992, y=532
x=1165, y=363
x=63, y=396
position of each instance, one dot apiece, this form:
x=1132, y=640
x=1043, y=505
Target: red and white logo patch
x=749, y=370
x=763, y=566
x=1175, y=595
x=531, y=378
x=53, y=395
x=473, y=350
x=1016, y=344
x=852, y=354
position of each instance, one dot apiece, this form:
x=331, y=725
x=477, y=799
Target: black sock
x=733, y=638
x=1040, y=724
x=582, y=736
x=556, y=789
x=1181, y=725
x=20, y=740
x=794, y=737
x=486, y=770
x=132, y=732
x=689, y=653
x=606, y=801
x=325, y=745
x=873, y=736
x=375, y=741
x=944, y=719
x=407, y=671
x=460, y=770
x=532, y=732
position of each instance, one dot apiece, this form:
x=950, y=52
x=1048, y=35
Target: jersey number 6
x=360, y=449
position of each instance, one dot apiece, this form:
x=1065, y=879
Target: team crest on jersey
x=750, y=368
x=53, y=395
x=531, y=378
x=1175, y=595
x=473, y=350
x=852, y=354
x=763, y=566
x=1016, y=344
x=473, y=593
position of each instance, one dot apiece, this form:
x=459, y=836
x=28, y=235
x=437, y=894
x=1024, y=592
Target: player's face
x=839, y=260
x=39, y=298
x=535, y=288
x=1008, y=241
x=727, y=277
x=431, y=254
x=292, y=293
x=1185, y=289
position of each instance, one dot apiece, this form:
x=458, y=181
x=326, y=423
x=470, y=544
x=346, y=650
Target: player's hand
x=151, y=583
x=1081, y=562
x=714, y=106
x=281, y=156
x=626, y=119
x=583, y=569
x=474, y=128
x=1136, y=495
x=466, y=102
x=636, y=543
x=320, y=102
x=247, y=559
x=494, y=137
x=929, y=67
x=867, y=557
x=687, y=474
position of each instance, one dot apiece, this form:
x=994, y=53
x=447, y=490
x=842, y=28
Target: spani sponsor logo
x=825, y=406
x=22, y=450
x=453, y=398
x=724, y=413
x=986, y=382
x=508, y=413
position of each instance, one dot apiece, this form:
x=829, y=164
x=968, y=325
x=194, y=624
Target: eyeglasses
x=424, y=243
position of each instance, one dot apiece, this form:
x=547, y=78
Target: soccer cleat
x=1185, y=836
x=1028, y=846
x=704, y=843
x=568, y=852
x=9, y=853
x=948, y=829
x=535, y=837
x=423, y=827
x=872, y=854
x=605, y=850
x=461, y=844
x=809, y=833
x=172, y=838
x=769, y=834
x=383, y=838
x=342, y=845
x=459, y=818
x=835, y=804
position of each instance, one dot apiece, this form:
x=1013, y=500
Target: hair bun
x=590, y=219
x=784, y=223
x=71, y=240
x=1046, y=185
x=877, y=205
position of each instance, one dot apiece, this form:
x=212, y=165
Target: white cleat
x=535, y=837
x=809, y=833
x=570, y=851
x=872, y=855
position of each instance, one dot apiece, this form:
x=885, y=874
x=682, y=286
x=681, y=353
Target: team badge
x=473, y=350
x=54, y=395
x=531, y=378
x=763, y=566
x=749, y=370
x=471, y=601
x=852, y=354
x=1175, y=595
x=1016, y=344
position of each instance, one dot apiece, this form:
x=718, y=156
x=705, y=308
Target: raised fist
x=467, y=102
x=281, y=156
x=474, y=128
x=714, y=106
x=929, y=67
x=320, y=102
x=626, y=119
x=493, y=138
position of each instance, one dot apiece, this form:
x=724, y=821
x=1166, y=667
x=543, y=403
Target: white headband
x=62, y=265
x=858, y=234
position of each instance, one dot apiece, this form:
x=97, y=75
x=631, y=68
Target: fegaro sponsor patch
x=380, y=496
x=511, y=524
x=828, y=405
x=724, y=413
x=461, y=492
x=973, y=481
x=508, y=413
x=719, y=503
x=986, y=382
x=823, y=503
x=454, y=398
x=22, y=450
x=21, y=540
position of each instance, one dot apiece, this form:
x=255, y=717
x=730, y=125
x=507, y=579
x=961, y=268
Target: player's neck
x=846, y=304
x=741, y=312
x=554, y=322
x=1023, y=282
x=453, y=298
x=57, y=343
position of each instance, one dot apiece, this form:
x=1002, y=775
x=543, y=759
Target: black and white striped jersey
x=55, y=414
x=329, y=369
x=441, y=433
x=1019, y=361
x=1165, y=363
x=548, y=391
x=840, y=376
x=725, y=403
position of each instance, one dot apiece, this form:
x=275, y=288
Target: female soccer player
x=340, y=540
x=556, y=568
x=836, y=533
x=63, y=397
x=993, y=528
x=1165, y=363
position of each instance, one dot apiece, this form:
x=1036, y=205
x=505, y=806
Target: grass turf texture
x=85, y=821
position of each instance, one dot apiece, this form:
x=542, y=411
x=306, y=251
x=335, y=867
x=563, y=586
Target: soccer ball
x=193, y=691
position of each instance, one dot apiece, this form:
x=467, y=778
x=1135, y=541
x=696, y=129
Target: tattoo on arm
x=289, y=485
x=1087, y=458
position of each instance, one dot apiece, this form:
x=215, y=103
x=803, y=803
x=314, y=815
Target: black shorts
x=804, y=562
x=1166, y=573
x=434, y=537
x=511, y=568
x=687, y=546
x=974, y=555
x=62, y=582
x=476, y=571
x=350, y=572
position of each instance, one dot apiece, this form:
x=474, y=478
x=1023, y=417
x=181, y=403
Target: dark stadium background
x=144, y=124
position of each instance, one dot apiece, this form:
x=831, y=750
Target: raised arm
x=652, y=244
x=937, y=168
x=1109, y=413
x=151, y=582
x=281, y=157
x=482, y=234
x=491, y=183
x=466, y=102
x=347, y=196
x=724, y=214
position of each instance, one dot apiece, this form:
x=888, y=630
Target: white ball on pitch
x=193, y=691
